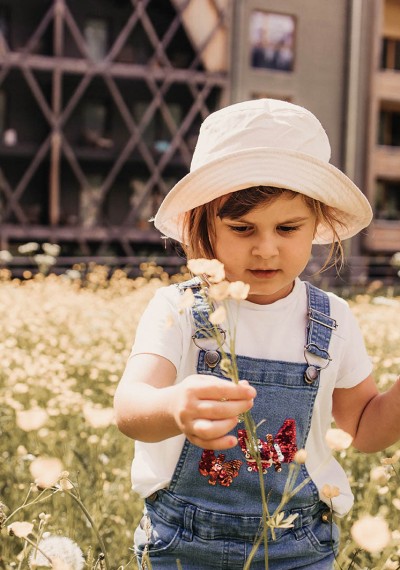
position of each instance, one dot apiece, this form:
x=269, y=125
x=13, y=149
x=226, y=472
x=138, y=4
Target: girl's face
x=268, y=247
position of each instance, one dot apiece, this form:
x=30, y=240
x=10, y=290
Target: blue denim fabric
x=214, y=526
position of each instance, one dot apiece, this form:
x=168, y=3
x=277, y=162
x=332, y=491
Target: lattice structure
x=100, y=104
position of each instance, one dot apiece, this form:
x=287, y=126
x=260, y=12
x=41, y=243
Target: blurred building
x=101, y=101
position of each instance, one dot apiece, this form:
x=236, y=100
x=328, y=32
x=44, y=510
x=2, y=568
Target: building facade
x=101, y=101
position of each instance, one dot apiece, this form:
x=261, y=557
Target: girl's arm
x=373, y=419
x=150, y=407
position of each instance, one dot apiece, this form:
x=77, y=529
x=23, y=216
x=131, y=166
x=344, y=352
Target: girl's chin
x=269, y=294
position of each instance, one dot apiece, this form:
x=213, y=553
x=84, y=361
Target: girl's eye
x=240, y=229
x=288, y=229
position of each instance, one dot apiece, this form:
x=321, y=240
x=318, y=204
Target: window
x=95, y=124
x=96, y=36
x=389, y=127
x=157, y=134
x=4, y=30
x=2, y=112
x=390, y=58
x=387, y=203
x=90, y=201
x=272, y=41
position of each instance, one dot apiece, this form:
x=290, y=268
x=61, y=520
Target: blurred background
x=101, y=102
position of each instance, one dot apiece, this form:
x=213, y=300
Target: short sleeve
x=355, y=363
x=160, y=327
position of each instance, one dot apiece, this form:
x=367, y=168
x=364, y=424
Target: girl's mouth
x=263, y=273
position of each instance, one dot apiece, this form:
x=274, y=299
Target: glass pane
x=387, y=203
x=389, y=128
x=397, y=56
x=96, y=36
x=89, y=201
x=149, y=134
x=164, y=135
x=384, y=52
x=94, y=118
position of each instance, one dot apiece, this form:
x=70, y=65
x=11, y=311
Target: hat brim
x=268, y=167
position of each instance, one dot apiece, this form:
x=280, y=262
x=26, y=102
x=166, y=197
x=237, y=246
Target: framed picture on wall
x=272, y=40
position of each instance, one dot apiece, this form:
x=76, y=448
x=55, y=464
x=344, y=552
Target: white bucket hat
x=264, y=142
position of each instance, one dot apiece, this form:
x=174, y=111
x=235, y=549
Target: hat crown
x=261, y=123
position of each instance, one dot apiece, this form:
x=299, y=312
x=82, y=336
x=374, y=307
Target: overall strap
x=201, y=308
x=319, y=332
x=204, y=336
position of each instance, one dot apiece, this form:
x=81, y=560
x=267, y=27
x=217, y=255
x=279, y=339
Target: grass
x=63, y=347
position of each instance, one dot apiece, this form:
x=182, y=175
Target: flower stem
x=94, y=527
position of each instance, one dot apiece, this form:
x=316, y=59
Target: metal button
x=311, y=374
x=212, y=358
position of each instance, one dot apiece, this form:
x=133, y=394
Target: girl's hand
x=206, y=409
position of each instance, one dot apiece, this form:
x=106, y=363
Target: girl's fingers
x=217, y=389
x=225, y=442
x=208, y=430
x=213, y=434
x=219, y=410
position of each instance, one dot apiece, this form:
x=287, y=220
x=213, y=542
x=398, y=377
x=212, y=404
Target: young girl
x=260, y=192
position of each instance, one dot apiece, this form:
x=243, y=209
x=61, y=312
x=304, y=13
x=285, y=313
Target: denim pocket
x=323, y=536
x=155, y=536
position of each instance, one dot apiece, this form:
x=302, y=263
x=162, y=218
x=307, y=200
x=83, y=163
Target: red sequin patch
x=273, y=450
x=217, y=469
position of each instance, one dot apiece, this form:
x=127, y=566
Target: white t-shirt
x=275, y=332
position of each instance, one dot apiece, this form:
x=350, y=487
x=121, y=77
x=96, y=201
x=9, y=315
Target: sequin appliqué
x=217, y=469
x=274, y=450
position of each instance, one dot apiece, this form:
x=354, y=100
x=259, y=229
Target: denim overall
x=210, y=514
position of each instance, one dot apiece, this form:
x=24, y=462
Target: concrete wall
x=318, y=80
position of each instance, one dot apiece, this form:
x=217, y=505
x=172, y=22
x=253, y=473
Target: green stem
x=38, y=499
x=37, y=549
x=94, y=527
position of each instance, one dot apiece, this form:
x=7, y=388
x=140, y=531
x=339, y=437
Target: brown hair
x=199, y=223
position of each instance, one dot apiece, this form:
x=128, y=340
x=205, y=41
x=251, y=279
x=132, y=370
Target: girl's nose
x=265, y=247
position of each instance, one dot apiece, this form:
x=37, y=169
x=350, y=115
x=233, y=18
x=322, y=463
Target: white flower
x=29, y=247
x=395, y=260
x=338, y=439
x=330, y=491
x=218, y=316
x=371, y=533
x=380, y=475
x=279, y=522
x=396, y=503
x=390, y=460
x=63, y=552
x=20, y=529
x=32, y=419
x=44, y=260
x=98, y=417
x=186, y=301
x=5, y=256
x=219, y=291
x=51, y=249
x=64, y=482
x=46, y=471
x=238, y=290
x=73, y=274
x=213, y=268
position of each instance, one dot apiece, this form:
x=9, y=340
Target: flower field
x=63, y=347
